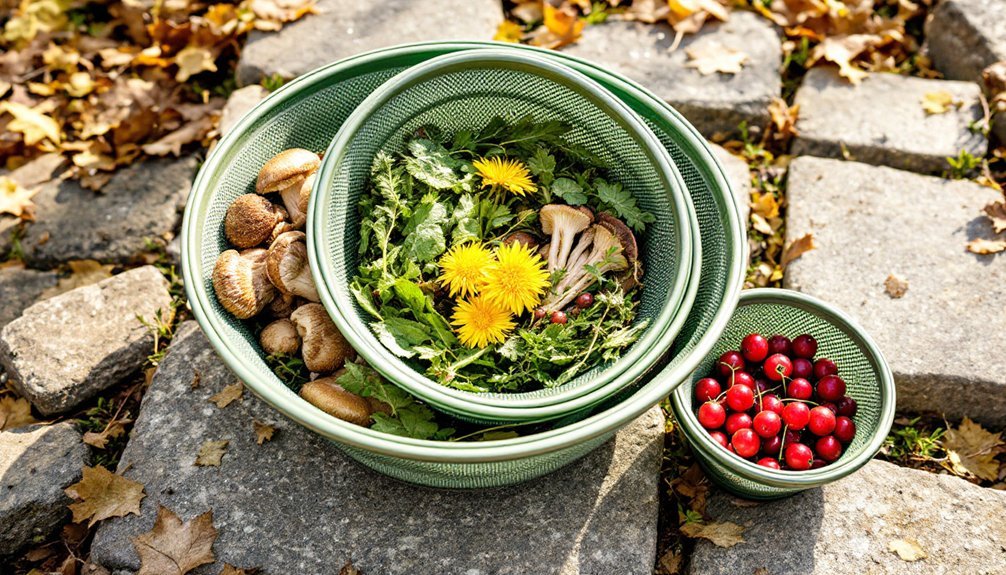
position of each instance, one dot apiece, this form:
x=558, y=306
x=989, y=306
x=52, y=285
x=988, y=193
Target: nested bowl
x=466, y=91
x=290, y=118
x=860, y=363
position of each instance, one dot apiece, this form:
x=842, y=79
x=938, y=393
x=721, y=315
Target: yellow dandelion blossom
x=463, y=268
x=517, y=279
x=480, y=322
x=510, y=175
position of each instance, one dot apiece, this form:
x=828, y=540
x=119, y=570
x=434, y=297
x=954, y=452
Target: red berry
x=754, y=348
x=771, y=445
x=740, y=398
x=539, y=313
x=741, y=378
x=792, y=436
x=712, y=415
x=745, y=443
x=828, y=448
x=766, y=423
x=830, y=388
x=818, y=463
x=822, y=421
x=584, y=300
x=558, y=316
x=831, y=406
x=804, y=346
x=824, y=367
x=799, y=388
x=777, y=367
x=730, y=448
x=771, y=402
x=796, y=415
x=729, y=362
x=802, y=367
x=845, y=429
x=719, y=437
x=847, y=406
x=769, y=462
x=780, y=344
x=799, y=457
x=736, y=421
x=707, y=389
x=761, y=385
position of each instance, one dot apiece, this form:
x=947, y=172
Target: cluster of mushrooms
x=267, y=275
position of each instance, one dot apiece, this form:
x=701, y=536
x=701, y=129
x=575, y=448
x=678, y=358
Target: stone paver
x=296, y=504
x=713, y=103
x=240, y=102
x=348, y=27
x=881, y=121
x=19, y=288
x=36, y=463
x=844, y=528
x=31, y=175
x=965, y=36
x=65, y=349
x=739, y=177
x=944, y=338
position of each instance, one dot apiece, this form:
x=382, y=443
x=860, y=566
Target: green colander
x=290, y=117
x=860, y=364
x=465, y=91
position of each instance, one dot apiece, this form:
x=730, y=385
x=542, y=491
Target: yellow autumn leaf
x=14, y=199
x=82, y=273
x=797, y=249
x=842, y=50
x=985, y=247
x=33, y=124
x=938, y=102
x=712, y=57
x=907, y=549
x=79, y=85
x=508, y=31
x=14, y=412
x=192, y=60
x=211, y=453
x=721, y=534
x=971, y=450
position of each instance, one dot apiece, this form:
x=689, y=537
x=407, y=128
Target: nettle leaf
x=432, y=164
x=542, y=166
x=424, y=234
x=570, y=191
x=624, y=204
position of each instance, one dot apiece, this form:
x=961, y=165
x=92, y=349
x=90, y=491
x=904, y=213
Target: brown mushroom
x=327, y=395
x=523, y=238
x=282, y=305
x=322, y=346
x=288, y=267
x=625, y=236
x=280, y=338
x=289, y=173
x=251, y=219
x=241, y=283
x=606, y=254
x=563, y=223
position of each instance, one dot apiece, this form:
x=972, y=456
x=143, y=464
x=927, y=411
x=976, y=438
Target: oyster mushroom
x=241, y=283
x=288, y=267
x=322, y=346
x=280, y=337
x=327, y=395
x=288, y=173
x=251, y=220
x=563, y=223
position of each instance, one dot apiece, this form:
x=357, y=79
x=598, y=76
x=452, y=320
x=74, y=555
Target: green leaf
x=363, y=297
x=401, y=348
x=388, y=179
x=624, y=204
x=466, y=221
x=432, y=164
x=422, y=308
x=400, y=335
x=569, y=191
x=542, y=165
x=424, y=234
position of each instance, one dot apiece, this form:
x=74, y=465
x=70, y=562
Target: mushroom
x=523, y=238
x=241, y=283
x=327, y=395
x=280, y=337
x=251, y=220
x=323, y=348
x=288, y=173
x=288, y=267
x=608, y=252
x=563, y=222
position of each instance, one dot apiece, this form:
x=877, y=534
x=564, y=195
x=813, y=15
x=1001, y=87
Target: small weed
x=273, y=83
x=163, y=329
x=96, y=420
x=289, y=369
x=965, y=166
x=910, y=440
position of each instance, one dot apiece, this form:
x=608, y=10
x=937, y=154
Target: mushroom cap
x=323, y=348
x=285, y=169
x=250, y=220
x=523, y=238
x=288, y=267
x=327, y=395
x=280, y=337
x=624, y=234
x=240, y=282
x=282, y=306
x=561, y=216
x=296, y=198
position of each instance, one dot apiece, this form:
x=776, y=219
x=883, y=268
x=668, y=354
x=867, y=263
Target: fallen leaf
x=908, y=550
x=971, y=450
x=349, y=569
x=508, y=31
x=115, y=428
x=670, y=562
x=31, y=122
x=765, y=205
x=721, y=534
x=103, y=494
x=842, y=50
x=173, y=547
x=560, y=27
x=759, y=223
x=197, y=379
x=263, y=431
x=14, y=199
x=784, y=117
x=232, y=570
x=211, y=453
x=228, y=395
x=761, y=571
x=985, y=247
x=938, y=102
x=15, y=412
x=273, y=13
x=82, y=273
x=712, y=57
x=996, y=212
x=797, y=249
x=895, y=286
x=173, y=142
x=192, y=60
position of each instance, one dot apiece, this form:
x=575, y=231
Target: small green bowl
x=868, y=378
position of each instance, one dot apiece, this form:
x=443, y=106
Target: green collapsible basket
x=867, y=376
x=307, y=113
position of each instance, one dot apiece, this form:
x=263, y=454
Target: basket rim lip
x=493, y=406
x=608, y=421
x=811, y=477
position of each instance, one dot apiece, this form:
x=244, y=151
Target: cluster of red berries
x=780, y=407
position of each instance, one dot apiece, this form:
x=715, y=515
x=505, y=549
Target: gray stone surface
x=739, y=177
x=65, y=349
x=31, y=175
x=965, y=36
x=348, y=27
x=881, y=121
x=715, y=103
x=141, y=203
x=240, y=102
x=36, y=463
x=944, y=338
x=19, y=288
x=296, y=504
x=844, y=528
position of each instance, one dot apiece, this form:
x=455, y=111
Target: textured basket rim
x=289, y=404
x=519, y=406
x=704, y=443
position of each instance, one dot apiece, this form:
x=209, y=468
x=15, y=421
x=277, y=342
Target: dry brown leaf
x=228, y=395
x=211, y=453
x=895, y=286
x=173, y=547
x=971, y=450
x=232, y=570
x=82, y=273
x=115, y=428
x=996, y=211
x=797, y=249
x=173, y=142
x=907, y=549
x=670, y=562
x=15, y=412
x=192, y=60
x=15, y=199
x=197, y=379
x=759, y=223
x=712, y=57
x=842, y=50
x=32, y=123
x=103, y=494
x=939, y=102
x=761, y=571
x=985, y=247
x=349, y=569
x=272, y=14
x=784, y=118
x=263, y=431
x=721, y=534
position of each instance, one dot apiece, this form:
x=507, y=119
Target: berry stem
x=782, y=443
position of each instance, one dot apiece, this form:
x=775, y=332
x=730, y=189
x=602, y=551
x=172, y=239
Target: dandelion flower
x=463, y=268
x=517, y=279
x=510, y=175
x=480, y=322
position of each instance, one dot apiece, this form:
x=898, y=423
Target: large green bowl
x=290, y=117
x=860, y=364
x=466, y=90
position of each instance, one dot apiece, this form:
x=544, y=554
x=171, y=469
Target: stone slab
x=844, y=528
x=36, y=463
x=31, y=175
x=20, y=288
x=944, y=338
x=65, y=349
x=348, y=27
x=881, y=121
x=716, y=103
x=296, y=504
x=965, y=36
x=738, y=175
